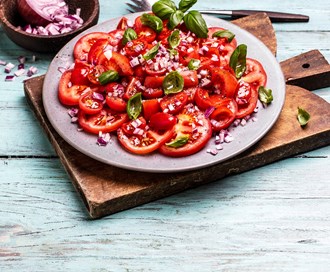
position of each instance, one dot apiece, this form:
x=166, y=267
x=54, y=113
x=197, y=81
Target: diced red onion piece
x=9, y=78
x=19, y=72
x=2, y=62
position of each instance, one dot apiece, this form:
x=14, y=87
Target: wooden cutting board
x=106, y=189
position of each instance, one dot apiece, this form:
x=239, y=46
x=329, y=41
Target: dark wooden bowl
x=11, y=20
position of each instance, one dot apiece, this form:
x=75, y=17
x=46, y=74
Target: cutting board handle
x=309, y=70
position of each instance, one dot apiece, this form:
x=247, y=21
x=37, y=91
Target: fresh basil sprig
x=303, y=117
x=108, y=76
x=265, y=95
x=152, y=52
x=152, y=21
x=224, y=34
x=238, y=60
x=174, y=39
x=164, y=8
x=129, y=35
x=196, y=23
x=134, y=106
x=173, y=83
x=175, y=19
x=184, y=5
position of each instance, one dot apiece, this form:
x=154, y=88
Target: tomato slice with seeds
x=89, y=104
x=114, y=96
x=224, y=114
x=84, y=44
x=68, y=93
x=147, y=34
x=136, y=47
x=80, y=73
x=196, y=127
x=255, y=74
x=173, y=103
x=162, y=121
x=150, y=107
x=133, y=87
x=104, y=121
x=247, y=101
x=224, y=82
x=144, y=140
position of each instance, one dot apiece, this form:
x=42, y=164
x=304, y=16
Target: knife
x=273, y=15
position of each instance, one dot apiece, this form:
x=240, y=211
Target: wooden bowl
x=11, y=20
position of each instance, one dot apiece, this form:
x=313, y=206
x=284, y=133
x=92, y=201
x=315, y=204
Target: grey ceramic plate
x=114, y=154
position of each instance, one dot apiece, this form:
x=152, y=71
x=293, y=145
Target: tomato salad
x=165, y=82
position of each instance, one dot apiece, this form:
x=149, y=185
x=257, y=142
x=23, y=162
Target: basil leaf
x=175, y=19
x=134, y=106
x=194, y=64
x=265, y=95
x=224, y=34
x=174, y=39
x=173, y=83
x=152, y=21
x=303, y=117
x=108, y=76
x=164, y=8
x=172, y=52
x=196, y=24
x=129, y=35
x=184, y=5
x=152, y=52
x=179, y=141
x=238, y=60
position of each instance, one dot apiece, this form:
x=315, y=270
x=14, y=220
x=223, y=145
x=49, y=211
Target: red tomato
x=224, y=114
x=96, y=51
x=94, y=74
x=164, y=34
x=147, y=34
x=143, y=141
x=104, y=121
x=254, y=74
x=123, y=63
x=202, y=99
x=84, y=44
x=224, y=82
x=131, y=127
x=173, y=103
x=150, y=93
x=135, y=47
x=133, y=87
x=154, y=82
x=190, y=78
x=190, y=93
x=221, y=40
x=122, y=24
x=138, y=24
x=114, y=96
x=116, y=36
x=193, y=125
x=89, y=104
x=247, y=99
x=69, y=94
x=155, y=69
x=188, y=53
x=80, y=73
x=162, y=121
x=150, y=107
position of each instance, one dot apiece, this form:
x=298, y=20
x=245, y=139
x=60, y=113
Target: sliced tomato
x=116, y=36
x=154, y=82
x=254, y=74
x=147, y=34
x=164, y=34
x=80, y=72
x=89, y=104
x=221, y=41
x=122, y=24
x=135, y=126
x=224, y=114
x=84, y=44
x=114, y=96
x=190, y=78
x=143, y=141
x=105, y=121
x=133, y=87
x=174, y=103
x=190, y=93
x=69, y=94
x=150, y=107
x=155, y=68
x=193, y=125
x=123, y=63
x=162, y=121
x=94, y=74
x=138, y=24
x=97, y=50
x=202, y=99
x=150, y=93
x=224, y=82
x=136, y=47
x=247, y=99
x=186, y=54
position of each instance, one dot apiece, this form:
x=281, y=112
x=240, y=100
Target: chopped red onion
x=103, y=139
x=2, y=62
x=98, y=96
x=9, y=78
x=19, y=72
x=73, y=112
x=209, y=111
x=9, y=66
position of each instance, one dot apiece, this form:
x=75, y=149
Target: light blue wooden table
x=275, y=218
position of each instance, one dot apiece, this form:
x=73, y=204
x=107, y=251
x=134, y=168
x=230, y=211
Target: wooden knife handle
x=274, y=16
